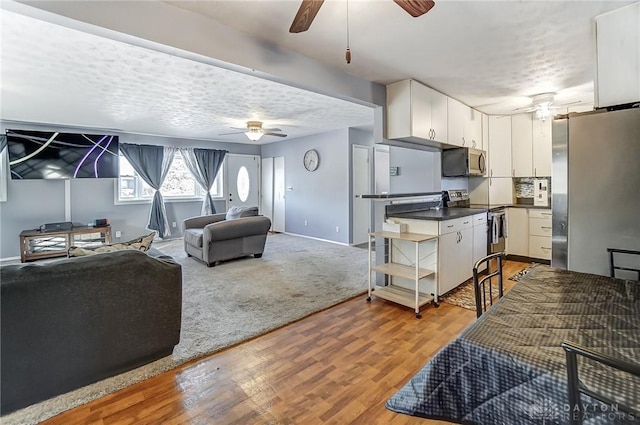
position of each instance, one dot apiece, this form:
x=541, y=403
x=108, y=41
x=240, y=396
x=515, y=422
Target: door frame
x=355, y=212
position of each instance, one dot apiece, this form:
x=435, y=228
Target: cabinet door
x=448, y=262
x=465, y=255
x=439, y=115
x=479, y=242
x=499, y=146
x=399, y=110
x=521, y=145
x=500, y=191
x=542, y=154
x=420, y=111
x=618, y=56
x=484, y=141
x=473, y=129
x=455, y=118
x=517, y=231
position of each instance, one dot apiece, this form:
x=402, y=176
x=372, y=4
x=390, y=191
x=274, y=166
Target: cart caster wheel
x=436, y=304
x=368, y=299
x=418, y=316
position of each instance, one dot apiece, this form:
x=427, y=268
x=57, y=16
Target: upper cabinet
x=499, y=150
x=522, y=145
x=542, y=155
x=530, y=146
x=416, y=112
x=618, y=56
x=464, y=125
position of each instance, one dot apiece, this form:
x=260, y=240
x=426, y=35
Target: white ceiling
x=491, y=55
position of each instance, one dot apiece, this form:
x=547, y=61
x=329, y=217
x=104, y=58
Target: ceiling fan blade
x=525, y=109
x=272, y=129
x=235, y=132
x=274, y=134
x=416, y=8
x=306, y=14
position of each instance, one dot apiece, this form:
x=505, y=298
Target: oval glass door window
x=242, y=183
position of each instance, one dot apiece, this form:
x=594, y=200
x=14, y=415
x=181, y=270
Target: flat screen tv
x=53, y=155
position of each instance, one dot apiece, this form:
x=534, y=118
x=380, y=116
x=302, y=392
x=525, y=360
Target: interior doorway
x=266, y=198
x=361, y=185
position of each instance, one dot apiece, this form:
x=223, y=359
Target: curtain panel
x=152, y=164
x=204, y=165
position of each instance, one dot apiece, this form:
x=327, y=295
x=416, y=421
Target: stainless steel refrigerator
x=595, y=188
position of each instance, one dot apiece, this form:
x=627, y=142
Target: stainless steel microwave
x=463, y=162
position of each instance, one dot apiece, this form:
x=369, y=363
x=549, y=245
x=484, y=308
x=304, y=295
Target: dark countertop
x=439, y=215
x=400, y=195
x=491, y=207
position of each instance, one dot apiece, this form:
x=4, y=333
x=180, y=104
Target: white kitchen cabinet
x=455, y=253
x=500, y=190
x=473, y=129
x=416, y=112
x=522, y=145
x=464, y=125
x=540, y=233
x=499, y=151
x=484, y=141
x=479, y=239
x=618, y=56
x=455, y=116
x=517, y=242
x=542, y=154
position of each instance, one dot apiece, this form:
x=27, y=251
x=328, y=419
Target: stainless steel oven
x=497, y=221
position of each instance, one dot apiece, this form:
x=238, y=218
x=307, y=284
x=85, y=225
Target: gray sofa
x=212, y=238
x=72, y=322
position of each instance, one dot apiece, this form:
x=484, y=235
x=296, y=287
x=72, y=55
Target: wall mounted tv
x=54, y=155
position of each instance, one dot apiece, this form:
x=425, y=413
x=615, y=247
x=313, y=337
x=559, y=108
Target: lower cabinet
x=517, y=242
x=529, y=232
x=462, y=242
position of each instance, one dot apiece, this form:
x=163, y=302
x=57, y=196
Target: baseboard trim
x=316, y=239
x=524, y=259
x=4, y=260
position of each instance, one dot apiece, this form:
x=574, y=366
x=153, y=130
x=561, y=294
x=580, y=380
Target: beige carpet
x=233, y=302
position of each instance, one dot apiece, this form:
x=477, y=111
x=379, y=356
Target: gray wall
x=419, y=171
x=31, y=203
x=320, y=197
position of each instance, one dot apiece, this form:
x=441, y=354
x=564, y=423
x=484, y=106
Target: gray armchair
x=212, y=238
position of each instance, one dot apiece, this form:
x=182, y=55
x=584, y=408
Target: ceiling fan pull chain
x=348, y=53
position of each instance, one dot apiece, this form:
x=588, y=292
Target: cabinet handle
x=491, y=173
x=545, y=248
x=545, y=227
x=513, y=172
x=465, y=222
x=535, y=172
x=434, y=134
x=450, y=226
x=546, y=213
x=463, y=141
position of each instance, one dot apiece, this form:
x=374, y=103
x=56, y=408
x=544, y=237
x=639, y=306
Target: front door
x=243, y=180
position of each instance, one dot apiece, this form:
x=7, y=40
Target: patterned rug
x=463, y=296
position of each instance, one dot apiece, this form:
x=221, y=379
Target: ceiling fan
x=254, y=131
x=309, y=9
x=542, y=104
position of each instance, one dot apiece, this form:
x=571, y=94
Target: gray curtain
x=3, y=142
x=152, y=164
x=204, y=164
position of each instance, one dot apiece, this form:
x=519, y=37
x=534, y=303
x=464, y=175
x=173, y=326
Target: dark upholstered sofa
x=72, y=322
x=212, y=238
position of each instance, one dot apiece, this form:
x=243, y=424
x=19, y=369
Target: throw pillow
x=239, y=212
x=140, y=244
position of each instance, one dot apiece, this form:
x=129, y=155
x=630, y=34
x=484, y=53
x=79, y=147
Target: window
x=178, y=185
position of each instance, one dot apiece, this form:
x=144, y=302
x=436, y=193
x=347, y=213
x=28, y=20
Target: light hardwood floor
x=338, y=366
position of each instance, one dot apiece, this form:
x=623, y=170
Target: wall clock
x=311, y=160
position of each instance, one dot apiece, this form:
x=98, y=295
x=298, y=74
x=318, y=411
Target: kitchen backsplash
x=524, y=187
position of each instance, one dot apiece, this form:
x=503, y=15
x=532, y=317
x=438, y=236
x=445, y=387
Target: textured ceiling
x=52, y=74
x=492, y=55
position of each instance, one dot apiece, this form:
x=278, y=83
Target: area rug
x=233, y=302
x=463, y=296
